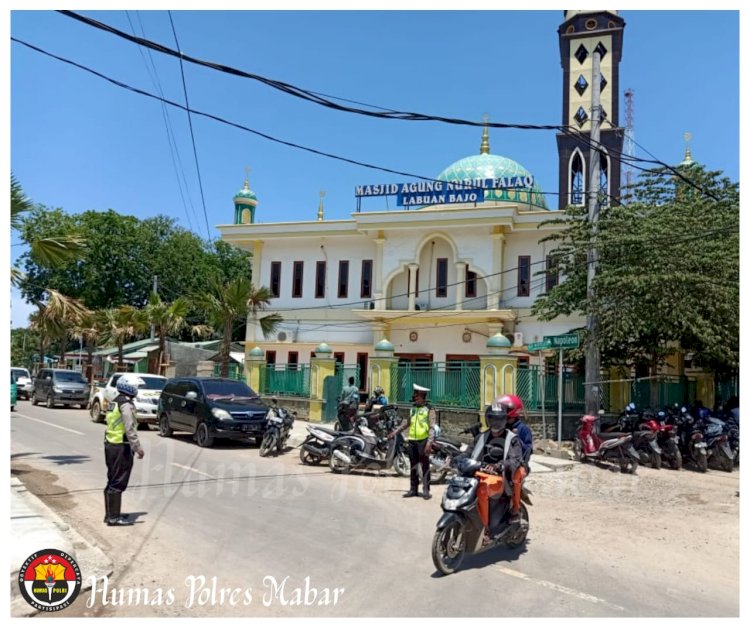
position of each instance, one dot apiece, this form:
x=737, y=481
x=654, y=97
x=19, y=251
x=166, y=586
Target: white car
x=146, y=403
x=23, y=381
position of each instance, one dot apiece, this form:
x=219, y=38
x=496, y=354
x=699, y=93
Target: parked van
x=211, y=407
x=59, y=386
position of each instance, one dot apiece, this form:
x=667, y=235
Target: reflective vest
x=115, y=433
x=419, y=423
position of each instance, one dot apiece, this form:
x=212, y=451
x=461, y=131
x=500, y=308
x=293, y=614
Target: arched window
x=576, y=178
x=604, y=179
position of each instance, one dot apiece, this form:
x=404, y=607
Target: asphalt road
x=269, y=531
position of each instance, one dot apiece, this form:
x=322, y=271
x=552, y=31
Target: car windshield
x=228, y=390
x=16, y=373
x=152, y=383
x=69, y=376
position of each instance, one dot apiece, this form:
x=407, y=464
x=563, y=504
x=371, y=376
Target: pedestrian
x=421, y=434
x=349, y=403
x=120, y=442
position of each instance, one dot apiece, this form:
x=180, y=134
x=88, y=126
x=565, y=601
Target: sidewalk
x=34, y=527
x=539, y=463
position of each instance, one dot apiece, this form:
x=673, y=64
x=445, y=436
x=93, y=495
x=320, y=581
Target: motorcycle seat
x=450, y=440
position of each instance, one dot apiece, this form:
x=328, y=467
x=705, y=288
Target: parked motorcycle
x=692, y=444
x=317, y=446
x=367, y=448
x=718, y=450
x=461, y=528
x=732, y=426
x=644, y=435
x=614, y=447
x=280, y=422
x=444, y=449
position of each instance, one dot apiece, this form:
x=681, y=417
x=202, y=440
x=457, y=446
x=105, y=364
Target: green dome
x=246, y=193
x=498, y=341
x=487, y=166
x=323, y=348
x=256, y=352
x=384, y=345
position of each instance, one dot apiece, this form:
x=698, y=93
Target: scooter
x=718, y=449
x=692, y=443
x=591, y=444
x=462, y=529
x=644, y=435
x=666, y=439
x=366, y=449
x=280, y=422
x=317, y=446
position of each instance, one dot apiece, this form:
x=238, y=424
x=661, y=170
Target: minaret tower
x=580, y=34
x=245, y=203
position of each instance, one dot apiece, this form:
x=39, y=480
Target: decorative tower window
x=581, y=116
x=576, y=179
x=581, y=85
x=602, y=84
x=601, y=50
x=603, y=180
x=581, y=54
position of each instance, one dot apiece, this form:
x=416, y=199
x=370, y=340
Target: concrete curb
x=33, y=527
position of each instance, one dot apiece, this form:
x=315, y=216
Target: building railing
x=285, y=379
x=236, y=371
x=451, y=384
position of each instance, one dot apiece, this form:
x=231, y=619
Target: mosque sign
x=440, y=192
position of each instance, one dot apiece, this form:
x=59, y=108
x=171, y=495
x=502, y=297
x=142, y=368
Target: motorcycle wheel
x=267, y=444
x=401, y=464
x=280, y=445
x=449, y=547
x=725, y=463
x=339, y=466
x=701, y=461
x=520, y=538
x=676, y=461
x=307, y=457
x=655, y=460
x=438, y=476
x=578, y=452
x=630, y=464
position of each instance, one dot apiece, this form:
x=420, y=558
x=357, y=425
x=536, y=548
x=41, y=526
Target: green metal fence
x=344, y=372
x=728, y=388
x=529, y=383
x=451, y=384
x=664, y=391
x=292, y=380
x=236, y=371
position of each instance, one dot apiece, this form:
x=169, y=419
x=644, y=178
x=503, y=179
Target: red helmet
x=512, y=404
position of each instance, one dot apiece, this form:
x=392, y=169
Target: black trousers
x=419, y=458
x=119, y=459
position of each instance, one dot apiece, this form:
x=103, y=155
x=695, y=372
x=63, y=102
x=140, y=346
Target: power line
x=190, y=123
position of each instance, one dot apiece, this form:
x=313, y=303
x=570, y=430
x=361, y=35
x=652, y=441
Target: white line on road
x=59, y=427
x=182, y=466
x=560, y=588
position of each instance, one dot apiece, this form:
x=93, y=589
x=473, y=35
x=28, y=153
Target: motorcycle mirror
x=274, y=401
x=601, y=412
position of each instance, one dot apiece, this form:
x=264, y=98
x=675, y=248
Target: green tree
x=228, y=303
x=668, y=273
x=121, y=324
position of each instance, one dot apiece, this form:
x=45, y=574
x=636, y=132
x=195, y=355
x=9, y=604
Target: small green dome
x=246, y=194
x=488, y=166
x=498, y=341
x=323, y=348
x=384, y=345
x=256, y=352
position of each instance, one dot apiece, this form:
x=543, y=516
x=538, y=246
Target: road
x=269, y=531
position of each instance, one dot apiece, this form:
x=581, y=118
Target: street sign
x=540, y=346
x=564, y=341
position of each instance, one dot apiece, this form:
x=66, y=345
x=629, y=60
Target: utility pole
x=153, y=329
x=593, y=357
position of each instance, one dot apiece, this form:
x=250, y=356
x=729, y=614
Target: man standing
x=349, y=402
x=120, y=441
x=421, y=426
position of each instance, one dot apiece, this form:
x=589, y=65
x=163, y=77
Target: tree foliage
x=121, y=257
x=668, y=272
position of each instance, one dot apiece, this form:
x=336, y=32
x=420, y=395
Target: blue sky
x=80, y=143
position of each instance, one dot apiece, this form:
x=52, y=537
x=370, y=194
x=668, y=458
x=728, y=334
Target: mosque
x=445, y=278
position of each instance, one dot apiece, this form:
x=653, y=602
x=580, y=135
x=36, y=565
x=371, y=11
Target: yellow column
x=705, y=389
x=320, y=368
x=413, y=286
x=254, y=363
x=460, y=284
x=495, y=280
x=497, y=373
x=619, y=392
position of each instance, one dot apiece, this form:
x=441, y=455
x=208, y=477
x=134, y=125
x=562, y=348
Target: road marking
x=560, y=588
x=182, y=466
x=59, y=427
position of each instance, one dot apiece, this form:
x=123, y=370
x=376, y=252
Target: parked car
x=59, y=386
x=13, y=392
x=146, y=403
x=24, y=385
x=211, y=407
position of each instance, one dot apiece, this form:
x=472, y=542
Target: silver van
x=59, y=386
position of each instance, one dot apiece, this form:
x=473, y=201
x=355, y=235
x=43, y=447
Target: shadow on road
x=489, y=558
x=71, y=459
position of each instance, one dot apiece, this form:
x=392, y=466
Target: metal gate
x=331, y=392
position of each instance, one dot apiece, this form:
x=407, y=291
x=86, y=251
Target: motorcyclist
x=487, y=447
x=514, y=407
x=348, y=405
x=378, y=399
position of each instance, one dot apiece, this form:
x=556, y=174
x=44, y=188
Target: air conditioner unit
x=518, y=339
x=283, y=336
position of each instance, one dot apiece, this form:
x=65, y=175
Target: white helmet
x=128, y=384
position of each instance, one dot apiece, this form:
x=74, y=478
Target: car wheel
x=50, y=401
x=13, y=408
x=164, y=429
x=202, y=437
x=34, y=400
x=96, y=412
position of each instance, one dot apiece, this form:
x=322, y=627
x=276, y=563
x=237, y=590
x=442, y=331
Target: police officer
x=421, y=434
x=120, y=441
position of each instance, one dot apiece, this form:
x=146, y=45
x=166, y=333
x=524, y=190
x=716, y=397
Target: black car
x=211, y=407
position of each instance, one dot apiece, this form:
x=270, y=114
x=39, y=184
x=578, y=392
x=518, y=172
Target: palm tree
x=228, y=303
x=51, y=251
x=169, y=319
x=64, y=314
x=89, y=329
x=121, y=324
